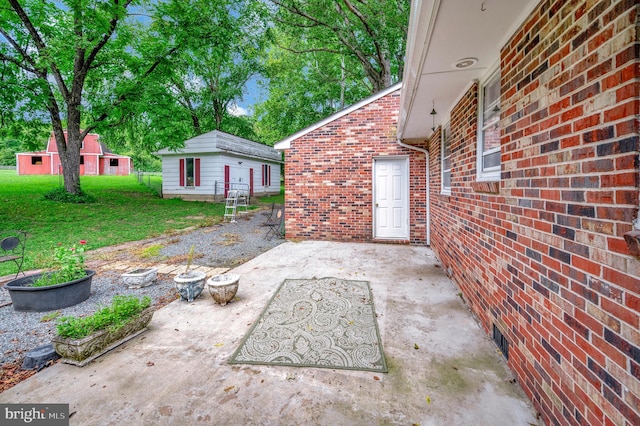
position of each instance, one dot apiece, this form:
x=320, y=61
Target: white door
x=239, y=178
x=391, y=198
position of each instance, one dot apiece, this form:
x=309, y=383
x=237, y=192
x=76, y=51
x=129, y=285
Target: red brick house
x=533, y=182
x=95, y=159
x=335, y=168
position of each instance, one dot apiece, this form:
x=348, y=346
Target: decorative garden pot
x=140, y=277
x=190, y=285
x=80, y=352
x=48, y=298
x=223, y=287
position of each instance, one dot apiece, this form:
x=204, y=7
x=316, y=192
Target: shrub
x=61, y=195
x=112, y=317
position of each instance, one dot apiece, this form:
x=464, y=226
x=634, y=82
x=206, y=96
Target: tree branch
x=125, y=96
x=18, y=63
x=40, y=45
x=22, y=53
x=112, y=27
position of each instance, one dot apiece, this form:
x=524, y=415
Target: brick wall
x=328, y=176
x=541, y=254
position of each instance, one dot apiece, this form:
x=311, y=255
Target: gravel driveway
x=222, y=245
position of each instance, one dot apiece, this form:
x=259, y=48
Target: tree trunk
x=69, y=151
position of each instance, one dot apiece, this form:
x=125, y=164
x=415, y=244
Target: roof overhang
x=441, y=33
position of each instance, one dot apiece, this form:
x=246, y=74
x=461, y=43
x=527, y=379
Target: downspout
x=428, y=209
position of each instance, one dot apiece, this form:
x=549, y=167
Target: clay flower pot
x=223, y=287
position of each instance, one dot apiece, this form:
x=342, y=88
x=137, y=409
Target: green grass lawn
x=125, y=211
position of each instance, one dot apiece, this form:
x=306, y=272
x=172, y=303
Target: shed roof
x=286, y=143
x=221, y=142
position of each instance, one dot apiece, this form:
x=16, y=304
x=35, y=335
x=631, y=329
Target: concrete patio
x=443, y=369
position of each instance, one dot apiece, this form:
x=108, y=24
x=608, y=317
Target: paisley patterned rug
x=326, y=323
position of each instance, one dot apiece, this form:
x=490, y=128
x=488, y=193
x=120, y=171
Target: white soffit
x=442, y=32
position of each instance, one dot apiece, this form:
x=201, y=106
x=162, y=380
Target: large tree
x=77, y=61
x=373, y=33
x=199, y=90
x=325, y=56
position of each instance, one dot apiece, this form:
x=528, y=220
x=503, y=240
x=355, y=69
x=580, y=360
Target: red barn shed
x=95, y=159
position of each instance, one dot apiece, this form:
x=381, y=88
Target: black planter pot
x=49, y=298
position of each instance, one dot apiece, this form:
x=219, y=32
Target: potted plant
x=67, y=283
x=81, y=340
x=190, y=283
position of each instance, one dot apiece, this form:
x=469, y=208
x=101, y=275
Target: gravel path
x=222, y=245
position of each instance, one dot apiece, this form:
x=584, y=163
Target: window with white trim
x=446, y=158
x=489, y=129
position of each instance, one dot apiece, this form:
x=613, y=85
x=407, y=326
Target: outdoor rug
x=325, y=322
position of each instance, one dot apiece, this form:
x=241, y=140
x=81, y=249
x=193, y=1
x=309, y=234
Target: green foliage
x=67, y=265
x=76, y=63
x=151, y=251
x=112, y=317
x=325, y=57
x=125, y=211
x=50, y=316
x=20, y=136
x=60, y=195
x=197, y=90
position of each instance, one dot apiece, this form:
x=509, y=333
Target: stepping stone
x=38, y=357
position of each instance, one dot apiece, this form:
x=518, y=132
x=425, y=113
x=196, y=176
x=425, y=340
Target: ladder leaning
x=231, y=206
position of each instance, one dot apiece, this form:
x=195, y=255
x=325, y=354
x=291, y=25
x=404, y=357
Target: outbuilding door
x=391, y=198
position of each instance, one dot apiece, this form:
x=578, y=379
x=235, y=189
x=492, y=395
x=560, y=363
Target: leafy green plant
x=68, y=265
x=111, y=317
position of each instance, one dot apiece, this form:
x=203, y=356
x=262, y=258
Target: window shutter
x=197, y=171
x=226, y=180
x=251, y=182
x=182, y=172
x=269, y=175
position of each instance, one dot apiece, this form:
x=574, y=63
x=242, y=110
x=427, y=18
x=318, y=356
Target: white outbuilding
x=213, y=163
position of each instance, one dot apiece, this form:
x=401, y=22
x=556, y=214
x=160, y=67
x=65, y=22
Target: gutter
x=428, y=210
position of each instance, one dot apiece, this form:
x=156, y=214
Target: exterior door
x=391, y=198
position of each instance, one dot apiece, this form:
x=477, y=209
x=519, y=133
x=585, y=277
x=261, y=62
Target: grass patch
x=149, y=252
x=124, y=210
x=277, y=199
x=51, y=316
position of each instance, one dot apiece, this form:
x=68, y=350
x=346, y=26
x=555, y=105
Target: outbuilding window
x=446, y=158
x=189, y=172
x=113, y=162
x=489, y=129
x=36, y=161
x=266, y=175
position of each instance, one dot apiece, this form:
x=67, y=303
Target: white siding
x=212, y=171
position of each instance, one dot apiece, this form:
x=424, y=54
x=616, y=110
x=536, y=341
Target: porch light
x=465, y=63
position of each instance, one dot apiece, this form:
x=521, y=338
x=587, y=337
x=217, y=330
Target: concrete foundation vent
x=501, y=341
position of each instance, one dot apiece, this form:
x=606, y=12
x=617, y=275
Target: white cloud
x=236, y=110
